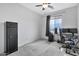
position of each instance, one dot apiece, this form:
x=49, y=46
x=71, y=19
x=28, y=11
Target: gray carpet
x=40, y=48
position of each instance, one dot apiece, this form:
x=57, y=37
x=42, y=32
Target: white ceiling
x=57, y=6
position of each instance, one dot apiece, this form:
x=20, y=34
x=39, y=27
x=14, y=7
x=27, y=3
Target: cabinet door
x=12, y=39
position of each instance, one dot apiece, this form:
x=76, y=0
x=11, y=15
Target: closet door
x=11, y=37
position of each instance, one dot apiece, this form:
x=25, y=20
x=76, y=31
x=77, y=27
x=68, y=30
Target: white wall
x=28, y=23
x=43, y=28
x=69, y=19
x=1, y=36
x=78, y=18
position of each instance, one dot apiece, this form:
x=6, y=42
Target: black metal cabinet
x=11, y=39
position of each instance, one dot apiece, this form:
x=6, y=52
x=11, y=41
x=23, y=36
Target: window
x=55, y=23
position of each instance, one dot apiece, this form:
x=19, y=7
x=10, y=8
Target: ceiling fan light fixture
x=45, y=5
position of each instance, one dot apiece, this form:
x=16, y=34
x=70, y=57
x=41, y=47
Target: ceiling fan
x=45, y=5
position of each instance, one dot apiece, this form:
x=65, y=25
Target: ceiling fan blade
x=50, y=6
x=48, y=3
x=38, y=5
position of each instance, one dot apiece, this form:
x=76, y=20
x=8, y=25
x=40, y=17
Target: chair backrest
x=77, y=45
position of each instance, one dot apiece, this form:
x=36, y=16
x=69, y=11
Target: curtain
x=47, y=25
